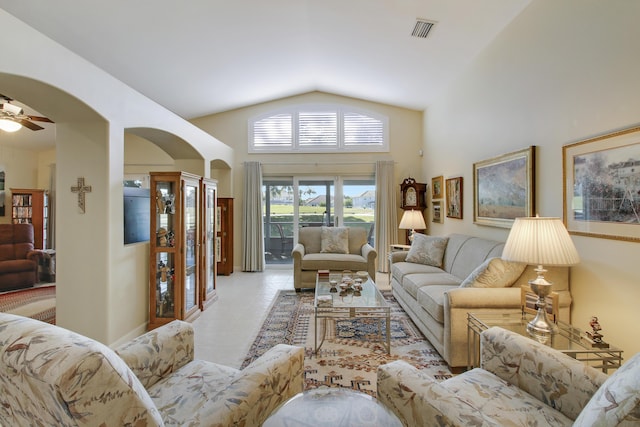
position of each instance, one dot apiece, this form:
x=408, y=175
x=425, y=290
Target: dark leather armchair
x=18, y=259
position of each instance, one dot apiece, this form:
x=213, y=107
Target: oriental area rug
x=37, y=302
x=352, y=350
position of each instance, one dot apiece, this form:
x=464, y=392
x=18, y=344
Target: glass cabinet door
x=210, y=236
x=165, y=243
x=191, y=246
x=165, y=281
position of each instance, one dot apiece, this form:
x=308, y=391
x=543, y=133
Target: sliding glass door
x=359, y=205
x=291, y=203
x=316, y=202
x=278, y=210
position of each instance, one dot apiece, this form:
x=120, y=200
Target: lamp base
x=540, y=327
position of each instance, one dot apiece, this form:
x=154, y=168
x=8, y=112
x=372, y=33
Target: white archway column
x=83, y=257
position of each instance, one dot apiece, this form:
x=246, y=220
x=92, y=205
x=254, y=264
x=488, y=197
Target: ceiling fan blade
x=29, y=125
x=40, y=119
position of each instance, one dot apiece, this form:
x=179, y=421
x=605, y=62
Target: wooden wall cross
x=81, y=189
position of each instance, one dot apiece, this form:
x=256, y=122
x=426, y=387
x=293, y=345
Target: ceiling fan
x=12, y=117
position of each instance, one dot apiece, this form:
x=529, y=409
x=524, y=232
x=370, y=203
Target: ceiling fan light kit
x=9, y=125
x=11, y=109
x=12, y=117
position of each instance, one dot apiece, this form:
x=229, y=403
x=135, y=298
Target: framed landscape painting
x=503, y=188
x=602, y=186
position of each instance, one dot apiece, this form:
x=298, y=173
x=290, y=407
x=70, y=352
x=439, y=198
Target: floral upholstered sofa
x=50, y=376
x=331, y=248
x=520, y=383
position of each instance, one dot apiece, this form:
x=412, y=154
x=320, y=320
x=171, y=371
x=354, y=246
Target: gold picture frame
x=454, y=197
x=601, y=186
x=437, y=187
x=436, y=211
x=529, y=303
x=504, y=188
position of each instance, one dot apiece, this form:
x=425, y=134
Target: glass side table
x=569, y=340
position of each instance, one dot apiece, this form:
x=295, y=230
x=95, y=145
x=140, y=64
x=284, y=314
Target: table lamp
x=540, y=241
x=412, y=220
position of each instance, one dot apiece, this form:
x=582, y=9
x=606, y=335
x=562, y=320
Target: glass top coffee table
x=334, y=300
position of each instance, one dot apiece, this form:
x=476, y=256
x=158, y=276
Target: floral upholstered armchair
x=52, y=376
x=520, y=382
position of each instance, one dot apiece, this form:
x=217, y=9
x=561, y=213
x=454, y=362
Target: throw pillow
x=616, y=402
x=494, y=273
x=427, y=250
x=334, y=240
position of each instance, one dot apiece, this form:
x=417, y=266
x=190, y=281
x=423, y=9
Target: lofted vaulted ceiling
x=200, y=57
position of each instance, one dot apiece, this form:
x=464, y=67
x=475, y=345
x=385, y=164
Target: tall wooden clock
x=413, y=194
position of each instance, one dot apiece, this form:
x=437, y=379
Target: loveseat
x=50, y=376
x=18, y=259
x=520, y=383
x=441, y=279
x=331, y=248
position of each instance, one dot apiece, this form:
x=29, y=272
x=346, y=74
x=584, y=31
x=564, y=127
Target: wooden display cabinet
x=225, y=236
x=174, y=257
x=209, y=189
x=31, y=206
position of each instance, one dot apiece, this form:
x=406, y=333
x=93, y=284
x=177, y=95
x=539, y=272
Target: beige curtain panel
x=252, y=240
x=386, y=216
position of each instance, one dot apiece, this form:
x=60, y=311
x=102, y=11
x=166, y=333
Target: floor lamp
x=540, y=241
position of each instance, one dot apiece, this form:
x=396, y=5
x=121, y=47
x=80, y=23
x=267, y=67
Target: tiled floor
x=225, y=331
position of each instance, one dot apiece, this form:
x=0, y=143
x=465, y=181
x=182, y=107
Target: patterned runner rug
x=352, y=350
x=38, y=303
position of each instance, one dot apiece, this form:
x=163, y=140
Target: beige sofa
x=50, y=376
x=308, y=256
x=520, y=383
x=436, y=302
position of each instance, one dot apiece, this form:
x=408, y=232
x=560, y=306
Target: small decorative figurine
x=169, y=206
x=159, y=202
x=595, y=336
x=163, y=272
x=162, y=236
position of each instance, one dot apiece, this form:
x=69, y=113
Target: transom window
x=318, y=128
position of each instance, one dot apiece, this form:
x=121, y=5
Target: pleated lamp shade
x=540, y=241
x=412, y=220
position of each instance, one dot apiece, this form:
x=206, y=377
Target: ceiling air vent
x=422, y=28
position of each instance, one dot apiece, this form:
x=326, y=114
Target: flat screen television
x=136, y=215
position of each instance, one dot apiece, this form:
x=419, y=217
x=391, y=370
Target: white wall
x=405, y=135
x=560, y=73
x=101, y=291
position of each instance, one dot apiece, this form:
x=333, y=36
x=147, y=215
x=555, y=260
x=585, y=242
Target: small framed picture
x=437, y=185
x=436, y=212
x=454, y=197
